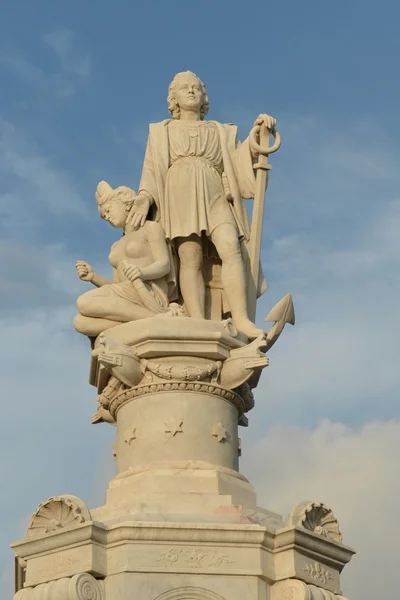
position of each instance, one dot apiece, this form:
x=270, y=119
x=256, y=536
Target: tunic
x=237, y=167
x=195, y=199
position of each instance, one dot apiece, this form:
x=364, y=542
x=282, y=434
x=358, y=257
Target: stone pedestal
x=179, y=520
x=189, y=423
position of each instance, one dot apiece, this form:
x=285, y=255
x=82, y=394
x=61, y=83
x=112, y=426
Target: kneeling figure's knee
x=83, y=304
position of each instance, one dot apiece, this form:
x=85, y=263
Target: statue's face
x=114, y=213
x=188, y=92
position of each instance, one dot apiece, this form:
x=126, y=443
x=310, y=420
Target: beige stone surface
x=297, y=590
x=177, y=425
x=310, y=557
x=180, y=554
x=143, y=276
x=180, y=364
x=187, y=587
x=79, y=587
x=316, y=517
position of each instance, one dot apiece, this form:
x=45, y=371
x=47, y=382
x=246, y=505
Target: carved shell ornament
x=315, y=517
x=58, y=512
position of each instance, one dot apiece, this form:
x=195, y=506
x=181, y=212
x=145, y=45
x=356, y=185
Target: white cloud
x=27, y=71
x=74, y=65
x=31, y=183
x=63, y=43
x=34, y=278
x=352, y=470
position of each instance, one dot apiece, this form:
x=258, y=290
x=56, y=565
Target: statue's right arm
x=86, y=273
x=99, y=281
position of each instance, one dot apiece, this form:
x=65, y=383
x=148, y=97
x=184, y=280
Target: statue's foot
x=248, y=328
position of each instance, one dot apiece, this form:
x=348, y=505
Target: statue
x=141, y=265
x=195, y=176
x=189, y=212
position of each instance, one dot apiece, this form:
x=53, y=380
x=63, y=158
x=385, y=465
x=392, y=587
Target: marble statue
x=189, y=212
x=185, y=230
x=195, y=176
x=141, y=265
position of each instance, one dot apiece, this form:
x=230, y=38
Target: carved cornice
x=139, y=531
x=180, y=465
x=177, y=386
x=315, y=547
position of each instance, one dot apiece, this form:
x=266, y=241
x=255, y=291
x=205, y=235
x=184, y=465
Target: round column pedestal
x=178, y=425
x=177, y=452
x=177, y=416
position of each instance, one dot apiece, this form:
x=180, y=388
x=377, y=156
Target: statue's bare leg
x=225, y=239
x=96, y=304
x=191, y=279
x=93, y=326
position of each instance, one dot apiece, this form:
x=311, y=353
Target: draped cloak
x=238, y=169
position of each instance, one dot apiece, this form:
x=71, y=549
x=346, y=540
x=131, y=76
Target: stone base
x=179, y=521
x=142, y=560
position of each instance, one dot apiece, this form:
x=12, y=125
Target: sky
x=80, y=81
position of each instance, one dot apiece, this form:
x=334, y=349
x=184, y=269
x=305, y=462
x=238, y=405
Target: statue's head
x=114, y=205
x=189, y=92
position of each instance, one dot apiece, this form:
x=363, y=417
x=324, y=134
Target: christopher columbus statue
x=195, y=176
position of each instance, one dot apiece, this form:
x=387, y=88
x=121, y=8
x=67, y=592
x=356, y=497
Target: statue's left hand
x=138, y=213
x=132, y=272
x=269, y=122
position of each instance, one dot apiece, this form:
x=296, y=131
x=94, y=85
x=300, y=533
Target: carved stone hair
x=173, y=105
x=105, y=193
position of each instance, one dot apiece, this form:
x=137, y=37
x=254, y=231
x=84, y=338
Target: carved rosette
x=58, y=512
x=315, y=517
x=243, y=404
x=85, y=587
x=78, y=587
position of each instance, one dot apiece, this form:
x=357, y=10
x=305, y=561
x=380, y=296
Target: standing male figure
x=195, y=175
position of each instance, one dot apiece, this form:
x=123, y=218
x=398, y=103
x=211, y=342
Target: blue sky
x=80, y=82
